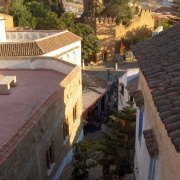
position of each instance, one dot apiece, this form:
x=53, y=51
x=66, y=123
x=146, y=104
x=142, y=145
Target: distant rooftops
x=31, y=43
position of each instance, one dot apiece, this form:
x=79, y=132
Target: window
x=75, y=113
x=151, y=168
x=50, y=162
x=122, y=90
x=131, y=98
x=65, y=130
x=140, y=125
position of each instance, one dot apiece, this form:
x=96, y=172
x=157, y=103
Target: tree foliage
x=165, y=25
x=117, y=8
x=115, y=148
x=90, y=43
x=176, y=8
x=21, y=16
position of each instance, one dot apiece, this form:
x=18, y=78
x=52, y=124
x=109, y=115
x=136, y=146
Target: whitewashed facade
x=123, y=94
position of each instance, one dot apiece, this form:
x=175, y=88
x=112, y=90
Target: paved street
x=101, y=70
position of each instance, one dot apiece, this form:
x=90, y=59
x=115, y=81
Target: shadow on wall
x=140, y=32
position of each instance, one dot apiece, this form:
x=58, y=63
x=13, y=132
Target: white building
x=167, y=3
x=59, y=44
x=123, y=94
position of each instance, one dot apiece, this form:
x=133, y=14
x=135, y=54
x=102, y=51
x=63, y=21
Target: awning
x=90, y=98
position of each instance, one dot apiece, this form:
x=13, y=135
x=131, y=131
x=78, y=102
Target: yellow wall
x=8, y=21
x=141, y=25
x=110, y=34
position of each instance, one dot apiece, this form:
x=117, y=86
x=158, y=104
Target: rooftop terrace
x=33, y=86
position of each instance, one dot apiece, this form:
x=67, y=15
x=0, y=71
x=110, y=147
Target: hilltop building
x=157, y=128
x=127, y=85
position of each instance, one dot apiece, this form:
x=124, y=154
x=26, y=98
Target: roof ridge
x=52, y=35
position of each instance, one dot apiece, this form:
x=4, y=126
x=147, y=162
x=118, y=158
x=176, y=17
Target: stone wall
x=110, y=34
x=105, y=30
x=168, y=160
x=141, y=26
x=24, y=156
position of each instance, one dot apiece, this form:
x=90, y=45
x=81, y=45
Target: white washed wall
x=128, y=76
x=36, y=63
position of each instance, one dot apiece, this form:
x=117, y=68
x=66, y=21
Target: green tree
x=176, y=8
x=119, y=9
x=44, y=17
x=115, y=148
x=21, y=16
x=165, y=25
x=85, y=155
x=37, y=9
x=50, y=21
x=90, y=43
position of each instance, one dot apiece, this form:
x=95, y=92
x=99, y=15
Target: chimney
x=2, y=30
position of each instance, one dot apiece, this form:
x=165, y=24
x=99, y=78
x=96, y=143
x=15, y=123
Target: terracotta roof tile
x=93, y=90
x=19, y=49
x=138, y=98
x=132, y=85
x=38, y=47
x=54, y=42
x=159, y=61
x=92, y=81
x=151, y=143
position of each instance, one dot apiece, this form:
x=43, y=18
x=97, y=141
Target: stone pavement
x=106, y=69
x=95, y=173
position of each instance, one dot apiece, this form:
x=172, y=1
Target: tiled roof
x=20, y=49
x=159, y=61
x=138, y=98
x=165, y=10
x=92, y=81
x=151, y=143
x=54, y=42
x=38, y=47
x=90, y=97
x=132, y=86
x=93, y=89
